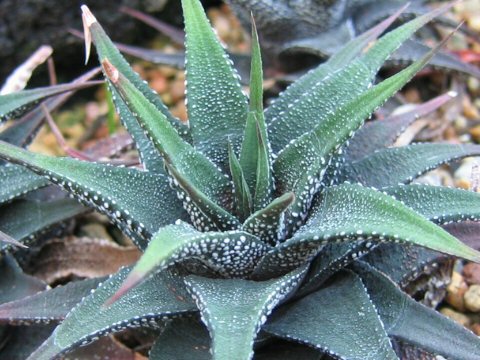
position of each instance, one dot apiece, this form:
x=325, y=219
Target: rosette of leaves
x=248, y=217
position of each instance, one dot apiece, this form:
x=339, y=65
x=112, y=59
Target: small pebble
x=472, y=298
x=471, y=273
x=475, y=132
x=460, y=318
x=455, y=292
x=476, y=328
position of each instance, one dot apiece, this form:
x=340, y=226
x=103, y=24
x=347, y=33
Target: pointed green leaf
x=267, y=223
x=249, y=151
x=217, y=107
x=302, y=164
x=393, y=166
x=256, y=77
x=382, y=133
x=253, y=303
x=22, y=131
x=191, y=164
x=438, y=204
x=404, y=264
x=176, y=243
x=16, y=104
x=352, y=212
x=243, y=197
x=160, y=297
x=149, y=156
x=114, y=191
x=7, y=239
x=444, y=60
x=468, y=232
x=24, y=219
x=17, y=181
x=49, y=305
x=317, y=99
x=14, y=283
x=263, y=184
x=330, y=259
x=183, y=339
x=409, y=321
x=255, y=152
x=204, y=213
x=347, y=326
x=23, y=340
x=106, y=49
x=287, y=350
x=337, y=61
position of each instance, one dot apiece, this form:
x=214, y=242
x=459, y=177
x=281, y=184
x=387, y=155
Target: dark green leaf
x=382, y=133
x=330, y=259
x=352, y=212
x=413, y=49
x=14, y=283
x=407, y=265
x=253, y=303
x=264, y=182
x=17, y=181
x=338, y=60
x=160, y=297
x=216, y=106
x=149, y=156
x=316, y=98
x=267, y=223
x=197, y=170
x=339, y=319
x=21, y=132
x=106, y=49
x=139, y=202
x=204, y=213
x=416, y=324
x=23, y=340
x=393, y=166
x=24, y=219
x=180, y=242
x=183, y=339
x=243, y=197
x=16, y=104
x=301, y=165
x=49, y=305
x=438, y=204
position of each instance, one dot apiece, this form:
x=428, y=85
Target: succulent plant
x=253, y=222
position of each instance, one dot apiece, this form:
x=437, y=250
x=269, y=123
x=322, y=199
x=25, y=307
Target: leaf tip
x=110, y=71
x=88, y=19
x=133, y=279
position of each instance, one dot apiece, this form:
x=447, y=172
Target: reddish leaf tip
x=133, y=279
x=110, y=71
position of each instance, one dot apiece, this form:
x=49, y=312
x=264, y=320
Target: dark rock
x=27, y=24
